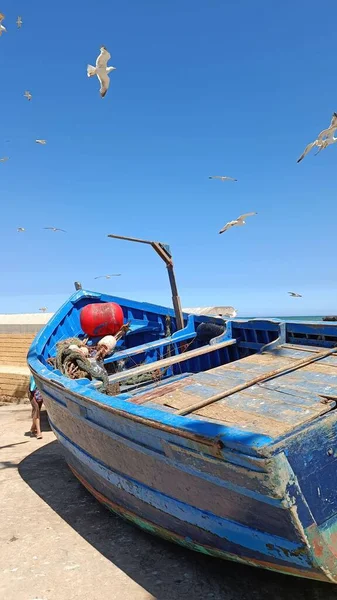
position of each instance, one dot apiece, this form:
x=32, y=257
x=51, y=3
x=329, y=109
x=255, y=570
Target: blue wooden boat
x=231, y=450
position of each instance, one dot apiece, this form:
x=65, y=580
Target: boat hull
x=236, y=509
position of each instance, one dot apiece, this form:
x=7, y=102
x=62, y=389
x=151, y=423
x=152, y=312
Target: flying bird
x=4, y=159
x=29, y=97
x=237, y=222
x=55, y=229
x=222, y=178
x=2, y=27
x=295, y=295
x=43, y=309
x=101, y=70
x=325, y=143
x=329, y=131
x=108, y=276
x=324, y=139
x=19, y=22
x=20, y=229
x=42, y=142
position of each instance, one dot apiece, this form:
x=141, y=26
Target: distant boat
x=222, y=311
x=227, y=447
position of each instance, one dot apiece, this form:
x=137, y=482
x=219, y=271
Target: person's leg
x=35, y=409
x=38, y=421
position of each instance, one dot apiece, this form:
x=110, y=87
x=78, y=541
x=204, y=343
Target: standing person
x=36, y=400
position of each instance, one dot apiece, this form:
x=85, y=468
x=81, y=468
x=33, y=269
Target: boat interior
x=174, y=370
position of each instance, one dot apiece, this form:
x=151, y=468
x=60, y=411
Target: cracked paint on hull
x=189, y=543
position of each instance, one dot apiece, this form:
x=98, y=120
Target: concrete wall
x=16, y=335
x=24, y=323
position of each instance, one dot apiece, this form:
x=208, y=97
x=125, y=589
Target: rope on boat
x=76, y=366
x=76, y=360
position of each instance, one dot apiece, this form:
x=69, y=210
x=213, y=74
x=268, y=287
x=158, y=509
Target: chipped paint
x=189, y=543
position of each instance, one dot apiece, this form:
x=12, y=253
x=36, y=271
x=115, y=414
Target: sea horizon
x=288, y=318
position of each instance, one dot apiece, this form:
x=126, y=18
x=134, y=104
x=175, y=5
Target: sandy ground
x=58, y=543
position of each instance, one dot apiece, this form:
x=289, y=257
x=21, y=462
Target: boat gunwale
x=213, y=442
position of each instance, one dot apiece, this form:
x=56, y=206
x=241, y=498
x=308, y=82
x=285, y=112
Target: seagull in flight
x=29, y=97
x=43, y=309
x=321, y=145
x=2, y=27
x=55, y=229
x=222, y=178
x=324, y=139
x=108, y=276
x=4, y=159
x=42, y=142
x=19, y=22
x=295, y=295
x=237, y=222
x=101, y=70
x=20, y=229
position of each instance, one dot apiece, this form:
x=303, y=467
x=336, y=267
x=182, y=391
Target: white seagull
x=237, y=222
x=20, y=229
x=42, y=142
x=2, y=27
x=4, y=159
x=55, y=229
x=295, y=295
x=325, y=143
x=28, y=96
x=324, y=139
x=101, y=70
x=19, y=22
x=222, y=178
x=108, y=276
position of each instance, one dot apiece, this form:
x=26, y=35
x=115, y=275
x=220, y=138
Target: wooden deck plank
x=303, y=389
x=243, y=420
x=254, y=422
x=306, y=400
x=257, y=367
x=321, y=367
x=280, y=411
x=177, y=400
x=273, y=407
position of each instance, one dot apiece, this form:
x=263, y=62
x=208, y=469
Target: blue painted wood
x=209, y=485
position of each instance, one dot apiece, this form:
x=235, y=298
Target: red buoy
x=101, y=318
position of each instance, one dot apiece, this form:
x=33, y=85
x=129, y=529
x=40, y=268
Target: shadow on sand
x=165, y=570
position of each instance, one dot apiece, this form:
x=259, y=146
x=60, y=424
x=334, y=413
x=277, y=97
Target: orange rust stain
x=318, y=548
x=333, y=539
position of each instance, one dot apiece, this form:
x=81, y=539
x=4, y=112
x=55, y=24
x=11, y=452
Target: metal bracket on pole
x=163, y=250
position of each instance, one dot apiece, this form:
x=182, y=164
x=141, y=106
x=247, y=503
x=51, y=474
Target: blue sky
x=201, y=88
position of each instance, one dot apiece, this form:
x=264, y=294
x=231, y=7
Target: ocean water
x=302, y=318
x=286, y=318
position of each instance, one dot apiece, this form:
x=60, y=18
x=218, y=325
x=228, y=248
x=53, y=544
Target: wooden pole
x=175, y=298
x=258, y=379
x=164, y=252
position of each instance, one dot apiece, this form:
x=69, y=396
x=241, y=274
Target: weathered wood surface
x=158, y=472
x=269, y=374
x=272, y=407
